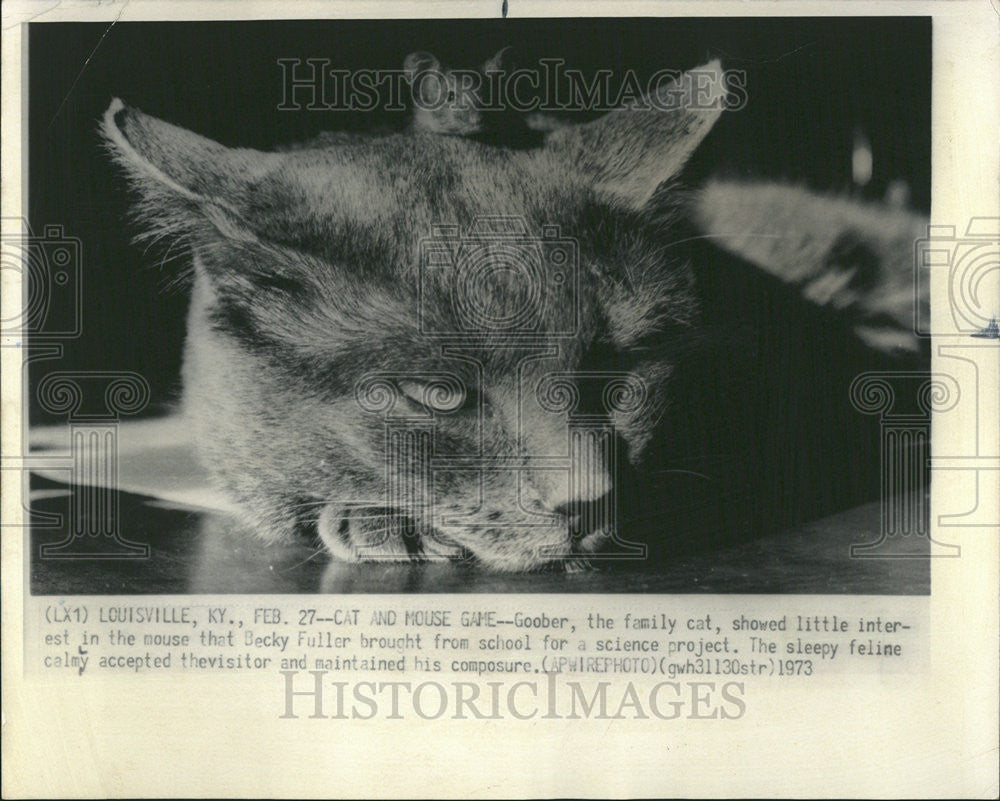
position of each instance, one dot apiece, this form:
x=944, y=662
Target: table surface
x=192, y=552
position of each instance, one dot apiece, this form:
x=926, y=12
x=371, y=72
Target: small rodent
x=461, y=102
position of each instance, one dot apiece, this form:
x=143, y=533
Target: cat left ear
x=420, y=61
x=186, y=180
x=630, y=152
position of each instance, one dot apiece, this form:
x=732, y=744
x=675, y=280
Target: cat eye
x=444, y=396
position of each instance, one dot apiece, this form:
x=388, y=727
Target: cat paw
x=361, y=535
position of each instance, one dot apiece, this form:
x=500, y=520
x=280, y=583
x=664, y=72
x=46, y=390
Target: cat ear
x=631, y=151
x=223, y=203
x=186, y=182
x=420, y=61
x=495, y=62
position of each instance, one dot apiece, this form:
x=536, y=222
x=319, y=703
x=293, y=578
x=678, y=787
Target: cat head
x=428, y=345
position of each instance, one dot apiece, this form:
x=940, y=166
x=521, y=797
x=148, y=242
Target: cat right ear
x=495, y=63
x=186, y=182
x=630, y=152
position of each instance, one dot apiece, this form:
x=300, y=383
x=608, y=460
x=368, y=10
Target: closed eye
x=442, y=396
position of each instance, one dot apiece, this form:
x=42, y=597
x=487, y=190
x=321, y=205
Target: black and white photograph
x=480, y=306
x=500, y=400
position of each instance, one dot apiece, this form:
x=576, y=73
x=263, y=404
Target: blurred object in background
x=861, y=159
x=897, y=193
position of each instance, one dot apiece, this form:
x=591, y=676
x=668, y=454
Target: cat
x=398, y=343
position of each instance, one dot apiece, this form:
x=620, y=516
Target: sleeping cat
x=428, y=347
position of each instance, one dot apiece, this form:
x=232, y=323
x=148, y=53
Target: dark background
x=811, y=84
x=790, y=451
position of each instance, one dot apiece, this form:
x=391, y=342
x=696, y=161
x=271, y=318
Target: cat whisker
x=680, y=470
x=316, y=552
